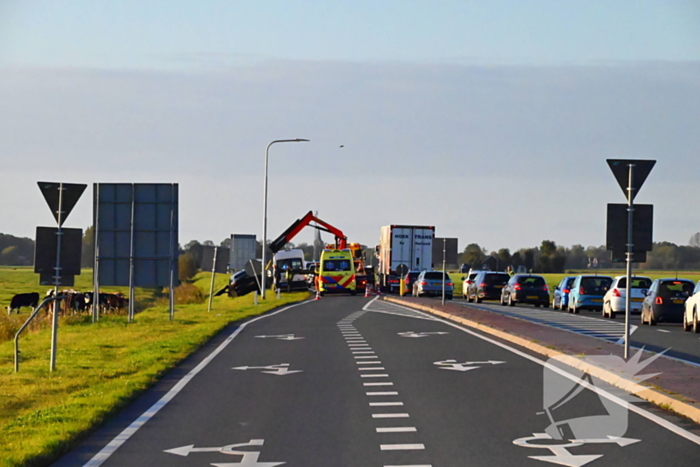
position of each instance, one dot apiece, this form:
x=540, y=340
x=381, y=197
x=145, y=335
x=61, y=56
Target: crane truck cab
x=336, y=272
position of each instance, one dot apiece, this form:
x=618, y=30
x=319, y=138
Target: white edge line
x=124, y=436
x=638, y=410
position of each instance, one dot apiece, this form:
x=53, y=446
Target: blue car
x=587, y=293
x=560, y=298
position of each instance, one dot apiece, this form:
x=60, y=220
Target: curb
x=651, y=395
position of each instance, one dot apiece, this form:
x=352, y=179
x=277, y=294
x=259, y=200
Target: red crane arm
x=292, y=231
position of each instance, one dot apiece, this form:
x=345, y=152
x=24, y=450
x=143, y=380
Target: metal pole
x=267, y=151
x=630, y=253
x=96, y=264
x=444, y=240
x=173, y=266
x=130, y=316
x=213, y=274
x=56, y=281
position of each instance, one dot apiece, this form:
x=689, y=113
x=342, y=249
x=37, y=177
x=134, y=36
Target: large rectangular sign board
x=136, y=224
x=642, y=231
x=223, y=255
x=46, y=247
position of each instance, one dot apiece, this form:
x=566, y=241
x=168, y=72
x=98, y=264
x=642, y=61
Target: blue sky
x=490, y=120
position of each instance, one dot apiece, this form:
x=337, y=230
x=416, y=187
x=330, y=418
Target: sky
x=491, y=121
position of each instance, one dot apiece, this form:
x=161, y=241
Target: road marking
x=283, y=337
x=366, y=356
x=374, y=376
x=663, y=330
x=402, y=447
x=371, y=368
x=420, y=334
x=385, y=404
x=389, y=415
x=280, y=369
x=378, y=384
x=397, y=429
x=411, y=465
x=382, y=393
x=638, y=410
x=453, y=365
x=359, y=352
x=358, y=345
x=105, y=453
x=373, y=362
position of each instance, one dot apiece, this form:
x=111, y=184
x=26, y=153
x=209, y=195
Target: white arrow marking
x=185, y=450
x=453, y=365
x=283, y=337
x=279, y=370
x=250, y=459
x=610, y=439
x=567, y=459
x=420, y=334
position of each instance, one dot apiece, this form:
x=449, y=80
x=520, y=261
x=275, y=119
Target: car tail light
x=566, y=290
x=423, y=283
x=449, y=284
x=545, y=288
x=616, y=293
x=659, y=301
x=517, y=287
x=581, y=291
x=483, y=284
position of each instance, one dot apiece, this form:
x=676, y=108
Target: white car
x=467, y=280
x=691, y=316
x=614, y=299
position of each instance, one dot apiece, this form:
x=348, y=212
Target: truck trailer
x=408, y=247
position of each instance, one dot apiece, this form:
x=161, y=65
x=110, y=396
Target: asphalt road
x=664, y=336
x=348, y=381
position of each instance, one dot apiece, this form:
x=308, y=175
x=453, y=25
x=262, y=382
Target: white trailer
x=243, y=248
x=409, y=246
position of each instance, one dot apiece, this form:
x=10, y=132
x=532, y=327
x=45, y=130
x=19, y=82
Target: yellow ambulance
x=336, y=273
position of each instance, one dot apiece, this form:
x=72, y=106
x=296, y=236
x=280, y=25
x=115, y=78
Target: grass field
x=100, y=367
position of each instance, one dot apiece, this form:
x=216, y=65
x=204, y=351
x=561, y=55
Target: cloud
x=502, y=155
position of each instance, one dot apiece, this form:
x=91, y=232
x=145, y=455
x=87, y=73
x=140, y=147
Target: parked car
x=430, y=283
x=560, y=296
x=408, y=281
x=615, y=297
x=587, y=293
x=467, y=281
x=525, y=288
x=665, y=300
x=691, y=315
x=487, y=285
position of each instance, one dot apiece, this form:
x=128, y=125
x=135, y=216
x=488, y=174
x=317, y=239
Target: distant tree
x=516, y=260
x=23, y=255
x=694, y=240
x=87, y=255
x=208, y=243
x=9, y=256
x=473, y=254
x=504, y=257
x=529, y=258
x=196, y=250
x=576, y=257
x=187, y=267
x=226, y=242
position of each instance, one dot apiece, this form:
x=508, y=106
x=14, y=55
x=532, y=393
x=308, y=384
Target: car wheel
x=477, y=299
x=696, y=325
x=511, y=302
x=546, y=305
x=604, y=311
x=537, y=305
x=574, y=310
x=449, y=297
x=686, y=324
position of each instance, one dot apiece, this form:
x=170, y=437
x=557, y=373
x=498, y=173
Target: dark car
x=408, y=281
x=560, y=298
x=487, y=285
x=242, y=283
x=665, y=300
x=525, y=288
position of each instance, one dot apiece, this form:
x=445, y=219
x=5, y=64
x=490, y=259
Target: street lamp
x=264, y=245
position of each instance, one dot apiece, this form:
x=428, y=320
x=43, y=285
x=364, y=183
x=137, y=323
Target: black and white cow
x=23, y=299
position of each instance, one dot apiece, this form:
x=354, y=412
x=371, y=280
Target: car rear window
x=595, y=285
x=531, y=281
x=675, y=289
x=637, y=283
x=497, y=279
x=434, y=276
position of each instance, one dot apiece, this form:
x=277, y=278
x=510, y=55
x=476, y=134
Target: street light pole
x=264, y=237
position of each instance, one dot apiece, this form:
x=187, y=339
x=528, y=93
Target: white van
x=285, y=260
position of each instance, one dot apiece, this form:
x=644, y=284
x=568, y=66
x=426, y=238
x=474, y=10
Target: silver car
x=614, y=299
x=430, y=283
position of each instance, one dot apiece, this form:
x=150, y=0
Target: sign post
x=61, y=198
x=632, y=173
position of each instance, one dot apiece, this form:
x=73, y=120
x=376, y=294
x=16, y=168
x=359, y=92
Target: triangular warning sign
x=621, y=170
x=67, y=194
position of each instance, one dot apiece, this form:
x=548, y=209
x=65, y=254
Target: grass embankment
x=100, y=367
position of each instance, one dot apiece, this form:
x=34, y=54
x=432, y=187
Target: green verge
x=100, y=369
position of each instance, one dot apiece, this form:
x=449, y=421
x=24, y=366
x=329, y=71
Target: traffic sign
x=46, y=246
x=620, y=169
x=65, y=194
x=401, y=269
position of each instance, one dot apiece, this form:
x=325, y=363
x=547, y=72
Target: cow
x=23, y=299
